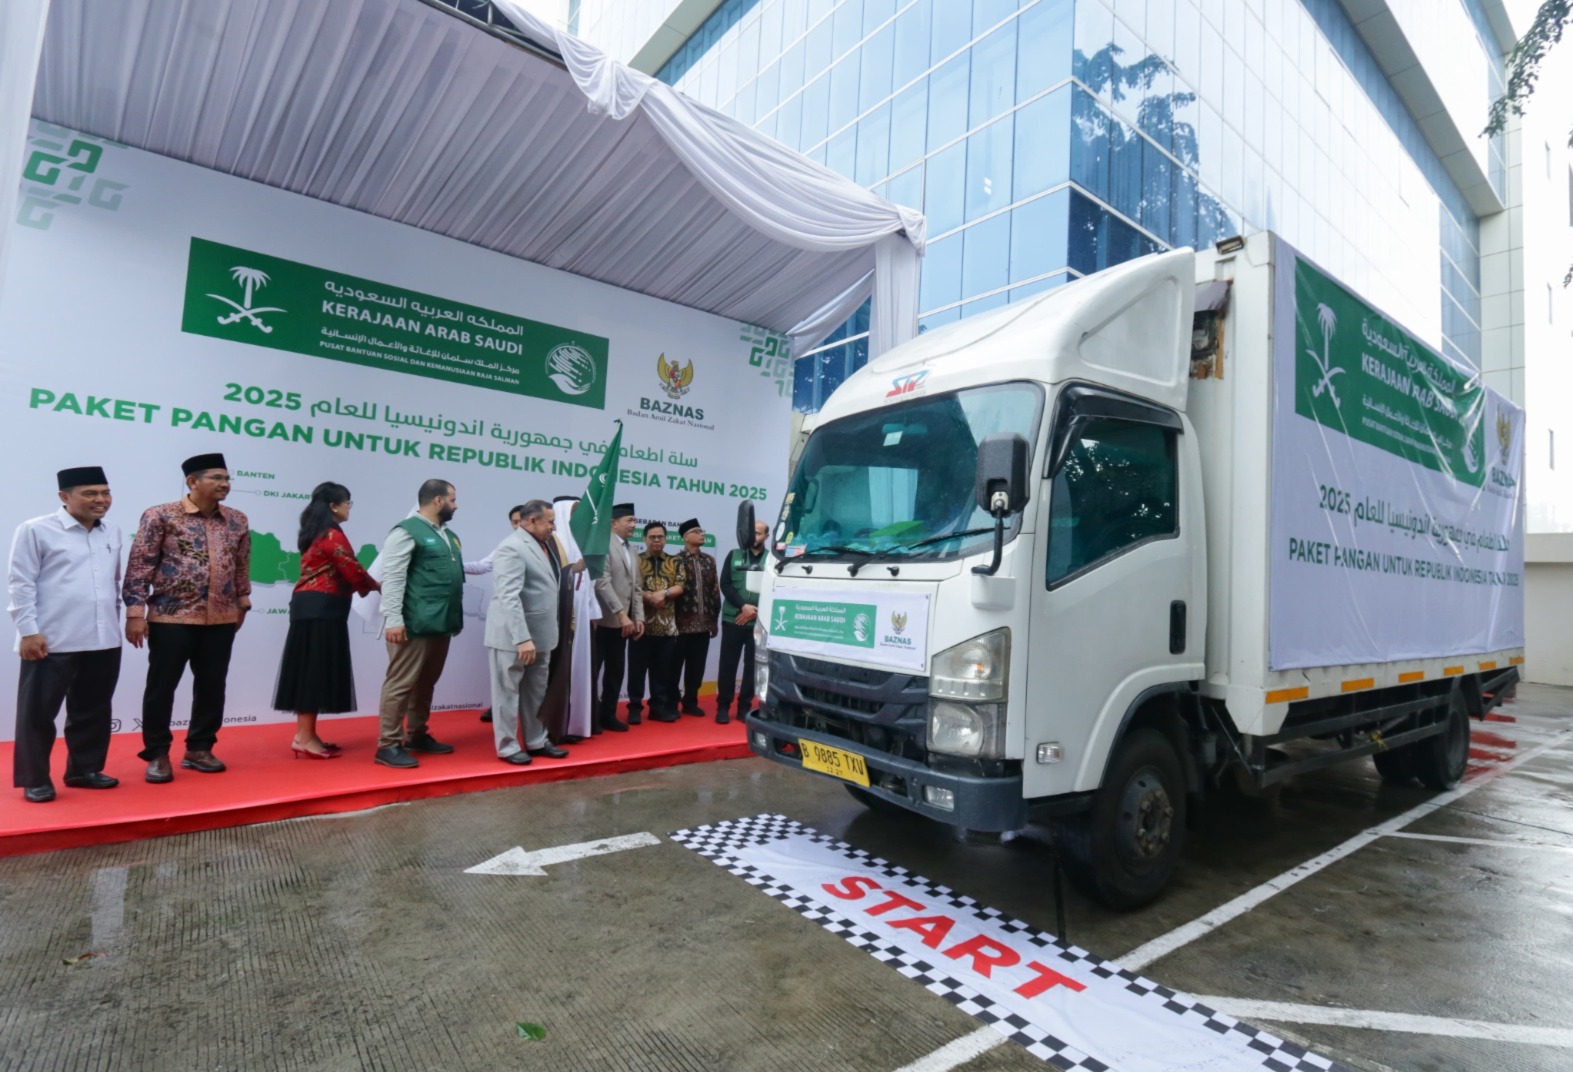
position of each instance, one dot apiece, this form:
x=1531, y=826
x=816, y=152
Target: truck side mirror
x=745, y=525
x=1000, y=485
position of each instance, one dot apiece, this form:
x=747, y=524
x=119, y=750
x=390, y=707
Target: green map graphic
x=272, y=563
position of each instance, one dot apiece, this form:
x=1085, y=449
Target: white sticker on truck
x=864, y=625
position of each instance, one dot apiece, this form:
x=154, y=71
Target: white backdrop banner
x=156, y=310
x=1398, y=482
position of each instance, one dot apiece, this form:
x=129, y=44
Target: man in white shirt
x=65, y=576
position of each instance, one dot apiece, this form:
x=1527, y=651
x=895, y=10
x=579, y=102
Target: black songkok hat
x=201, y=463
x=623, y=510
x=691, y=523
x=82, y=474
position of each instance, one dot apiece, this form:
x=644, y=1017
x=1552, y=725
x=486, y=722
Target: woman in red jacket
x=316, y=676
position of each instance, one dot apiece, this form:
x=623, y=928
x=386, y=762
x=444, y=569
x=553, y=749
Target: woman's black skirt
x=315, y=675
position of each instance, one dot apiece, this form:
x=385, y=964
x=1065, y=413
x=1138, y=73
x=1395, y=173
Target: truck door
x=1112, y=610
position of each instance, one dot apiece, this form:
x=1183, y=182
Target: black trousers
x=651, y=657
x=609, y=653
x=85, y=682
x=169, y=648
x=737, y=641
x=688, y=659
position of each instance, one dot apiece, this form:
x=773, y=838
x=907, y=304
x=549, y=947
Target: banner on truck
x=155, y=310
x=1397, y=514
x=859, y=625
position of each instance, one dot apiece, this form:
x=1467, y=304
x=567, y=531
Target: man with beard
x=422, y=610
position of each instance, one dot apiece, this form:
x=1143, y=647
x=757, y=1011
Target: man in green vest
x=738, y=612
x=422, y=609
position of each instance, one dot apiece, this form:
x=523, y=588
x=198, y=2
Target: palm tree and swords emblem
x=250, y=279
x=1324, y=361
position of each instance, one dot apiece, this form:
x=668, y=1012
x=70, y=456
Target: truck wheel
x=1439, y=761
x=875, y=802
x=1124, y=848
x=1396, y=765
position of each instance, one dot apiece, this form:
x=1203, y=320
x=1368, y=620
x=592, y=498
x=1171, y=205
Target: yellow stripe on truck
x=1356, y=684
x=1285, y=695
x=1451, y=671
x=1488, y=665
x=1516, y=660
x=1411, y=675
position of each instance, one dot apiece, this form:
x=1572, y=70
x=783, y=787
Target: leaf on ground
x=82, y=958
x=533, y=1032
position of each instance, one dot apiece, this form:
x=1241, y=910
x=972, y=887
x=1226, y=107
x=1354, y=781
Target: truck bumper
x=981, y=803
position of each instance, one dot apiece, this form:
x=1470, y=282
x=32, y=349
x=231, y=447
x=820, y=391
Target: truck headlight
x=974, y=670
x=967, y=691
x=761, y=662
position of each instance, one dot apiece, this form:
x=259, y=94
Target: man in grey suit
x=521, y=631
x=622, y=619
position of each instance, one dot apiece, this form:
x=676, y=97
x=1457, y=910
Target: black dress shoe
x=615, y=725
x=39, y=794
x=663, y=716
x=694, y=710
x=425, y=742
x=722, y=718
x=571, y=738
x=394, y=756
x=550, y=751
x=634, y=718
x=518, y=759
x=96, y=780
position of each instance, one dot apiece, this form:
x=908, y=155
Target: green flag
x=592, y=519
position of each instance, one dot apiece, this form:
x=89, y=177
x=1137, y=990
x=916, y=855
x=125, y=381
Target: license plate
x=834, y=761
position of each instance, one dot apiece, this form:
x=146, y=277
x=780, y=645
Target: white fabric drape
x=586, y=612
x=22, y=25
x=777, y=191
x=399, y=109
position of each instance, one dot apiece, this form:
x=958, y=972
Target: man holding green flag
x=601, y=530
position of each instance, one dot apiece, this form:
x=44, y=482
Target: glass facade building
x=1046, y=139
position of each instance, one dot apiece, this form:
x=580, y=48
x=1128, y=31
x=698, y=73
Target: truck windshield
x=897, y=482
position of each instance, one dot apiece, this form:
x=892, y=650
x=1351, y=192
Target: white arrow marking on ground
x=518, y=862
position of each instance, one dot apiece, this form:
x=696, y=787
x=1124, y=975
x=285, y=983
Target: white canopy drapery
x=400, y=109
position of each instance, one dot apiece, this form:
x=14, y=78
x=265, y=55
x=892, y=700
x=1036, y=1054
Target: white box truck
x=1201, y=516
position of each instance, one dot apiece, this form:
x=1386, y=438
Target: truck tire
x=875, y=802
x=1396, y=765
x=1439, y=761
x=1123, y=849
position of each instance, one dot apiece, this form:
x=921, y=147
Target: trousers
x=737, y=643
x=651, y=657
x=85, y=682
x=610, y=658
x=170, y=647
x=517, y=692
x=413, y=669
x=689, y=660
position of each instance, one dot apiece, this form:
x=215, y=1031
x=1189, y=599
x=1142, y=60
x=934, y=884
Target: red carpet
x=264, y=783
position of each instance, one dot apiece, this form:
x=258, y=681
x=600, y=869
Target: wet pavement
x=359, y=942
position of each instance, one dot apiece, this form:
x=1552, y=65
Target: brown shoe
x=206, y=762
x=159, y=772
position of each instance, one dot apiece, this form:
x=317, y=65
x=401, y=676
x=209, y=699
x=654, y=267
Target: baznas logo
x=906, y=385
x=1324, y=361
x=249, y=279
x=571, y=368
x=675, y=379
x=898, y=622
x=1504, y=434
x=860, y=627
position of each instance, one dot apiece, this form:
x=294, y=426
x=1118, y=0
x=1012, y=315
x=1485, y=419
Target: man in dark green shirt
x=738, y=612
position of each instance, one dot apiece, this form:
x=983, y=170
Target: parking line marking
x=1483, y=841
x=1408, y=1023
x=1187, y=933
x=955, y=1054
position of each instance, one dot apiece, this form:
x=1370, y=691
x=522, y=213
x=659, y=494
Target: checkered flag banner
x=1064, y=1005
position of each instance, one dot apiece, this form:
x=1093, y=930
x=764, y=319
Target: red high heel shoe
x=306, y=753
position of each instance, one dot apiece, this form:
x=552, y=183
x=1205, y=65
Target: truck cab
x=990, y=560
